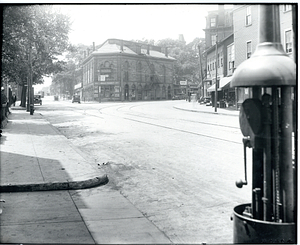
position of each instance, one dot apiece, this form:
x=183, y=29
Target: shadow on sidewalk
x=25, y=169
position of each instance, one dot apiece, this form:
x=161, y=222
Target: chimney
x=166, y=52
x=221, y=15
x=148, y=49
x=94, y=46
x=122, y=46
x=138, y=49
x=88, y=51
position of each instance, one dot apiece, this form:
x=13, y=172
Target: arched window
x=152, y=72
x=139, y=71
x=106, y=64
x=126, y=73
x=164, y=73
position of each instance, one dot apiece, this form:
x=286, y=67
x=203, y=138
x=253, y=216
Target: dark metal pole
x=216, y=87
x=201, y=75
x=286, y=163
x=267, y=163
x=275, y=154
x=257, y=169
x=269, y=28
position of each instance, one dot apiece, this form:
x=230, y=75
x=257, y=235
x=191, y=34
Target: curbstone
x=56, y=186
x=208, y=112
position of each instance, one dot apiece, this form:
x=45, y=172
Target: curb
x=207, y=112
x=56, y=186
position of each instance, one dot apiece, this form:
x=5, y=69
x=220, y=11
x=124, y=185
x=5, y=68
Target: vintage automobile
x=37, y=99
x=178, y=97
x=206, y=101
x=76, y=98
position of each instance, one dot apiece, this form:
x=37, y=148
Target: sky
x=97, y=23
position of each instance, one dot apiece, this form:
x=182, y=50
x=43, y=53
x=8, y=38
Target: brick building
x=123, y=70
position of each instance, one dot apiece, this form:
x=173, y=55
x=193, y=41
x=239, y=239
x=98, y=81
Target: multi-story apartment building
x=246, y=35
x=219, y=64
x=218, y=25
x=124, y=70
x=221, y=68
x=245, y=38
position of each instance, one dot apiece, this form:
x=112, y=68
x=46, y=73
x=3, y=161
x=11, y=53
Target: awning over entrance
x=224, y=82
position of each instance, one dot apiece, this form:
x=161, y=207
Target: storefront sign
x=109, y=83
x=77, y=86
x=105, y=70
x=102, y=77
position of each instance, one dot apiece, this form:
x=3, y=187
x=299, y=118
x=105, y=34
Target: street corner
x=89, y=183
x=56, y=186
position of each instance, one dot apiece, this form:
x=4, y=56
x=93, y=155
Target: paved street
x=177, y=167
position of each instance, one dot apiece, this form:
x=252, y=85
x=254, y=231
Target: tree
x=36, y=32
x=64, y=81
x=187, y=65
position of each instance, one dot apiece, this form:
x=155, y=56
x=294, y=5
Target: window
x=218, y=61
x=126, y=74
x=249, y=49
x=139, y=71
x=248, y=16
x=288, y=42
x=230, y=53
x=213, y=39
x=106, y=64
x=287, y=7
x=212, y=22
x=164, y=73
x=221, y=58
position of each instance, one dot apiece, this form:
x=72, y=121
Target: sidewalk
x=45, y=160
x=46, y=185
x=201, y=108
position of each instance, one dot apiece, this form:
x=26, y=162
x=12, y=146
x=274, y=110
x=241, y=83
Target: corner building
x=122, y=70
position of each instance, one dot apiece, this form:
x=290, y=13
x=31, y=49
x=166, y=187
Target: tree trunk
x=23, y=96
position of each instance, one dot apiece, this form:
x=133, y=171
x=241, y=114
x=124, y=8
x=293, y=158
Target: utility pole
x=216, y=87
x=29, y=82
x=200, y=74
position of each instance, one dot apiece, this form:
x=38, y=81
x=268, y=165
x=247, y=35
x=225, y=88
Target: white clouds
x=96, y=23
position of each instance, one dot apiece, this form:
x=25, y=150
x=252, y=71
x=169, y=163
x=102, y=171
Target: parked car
x=76, y=98
x=37, y=99
x=205, y=100
x=178, y=97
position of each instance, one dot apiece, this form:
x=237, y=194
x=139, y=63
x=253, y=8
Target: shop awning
x=224, y=82
x=211, y=88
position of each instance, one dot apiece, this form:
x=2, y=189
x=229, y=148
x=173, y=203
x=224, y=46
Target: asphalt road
x=177, y=167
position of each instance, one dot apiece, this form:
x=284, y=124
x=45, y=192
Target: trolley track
x=129, y=115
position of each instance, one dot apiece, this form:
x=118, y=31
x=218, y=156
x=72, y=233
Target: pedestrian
x=14, y=99
x=3, y=104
